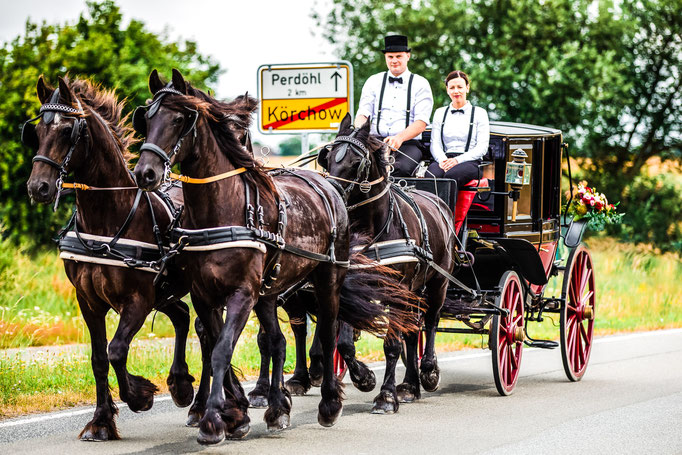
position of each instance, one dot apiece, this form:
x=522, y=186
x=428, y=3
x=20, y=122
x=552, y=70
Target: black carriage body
x=527, y=244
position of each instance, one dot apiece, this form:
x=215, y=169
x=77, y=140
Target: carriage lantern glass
x=517, y=175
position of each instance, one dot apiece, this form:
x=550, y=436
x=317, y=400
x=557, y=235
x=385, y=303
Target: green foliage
x=98, y=46
x=605, y=72
x=290, y=146
x=653, y=207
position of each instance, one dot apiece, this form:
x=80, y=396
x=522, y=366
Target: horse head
x=355, y=158
x=59, y=139
x=172, y=119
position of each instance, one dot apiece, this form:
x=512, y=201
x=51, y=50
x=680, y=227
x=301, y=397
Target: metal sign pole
x=304, y=143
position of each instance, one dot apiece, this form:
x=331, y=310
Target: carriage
x=512, y=239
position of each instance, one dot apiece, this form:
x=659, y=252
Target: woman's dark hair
x=455, y=75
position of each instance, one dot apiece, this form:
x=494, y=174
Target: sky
x=241, y=36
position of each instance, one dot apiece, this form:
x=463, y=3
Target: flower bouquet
x=593, y=207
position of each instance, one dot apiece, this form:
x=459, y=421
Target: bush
x=653, y=212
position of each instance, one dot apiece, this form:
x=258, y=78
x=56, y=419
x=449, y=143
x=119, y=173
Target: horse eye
x=66, y=132
x=177, y=120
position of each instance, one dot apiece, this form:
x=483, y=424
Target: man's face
x=397, y=62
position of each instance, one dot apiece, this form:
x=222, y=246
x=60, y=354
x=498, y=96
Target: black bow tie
x=457, y=110
x=392, y=79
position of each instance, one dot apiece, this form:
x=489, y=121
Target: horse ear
x=179, y=82
x=65, y=92
x=155, y=83
x=345, y=123
x=44, y=90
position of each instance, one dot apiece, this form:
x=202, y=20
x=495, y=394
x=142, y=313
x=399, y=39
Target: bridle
x=29, y=136
x=364, y=168
x=140, y=125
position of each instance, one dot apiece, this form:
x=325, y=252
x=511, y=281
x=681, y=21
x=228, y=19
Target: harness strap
x=372, y=199
x=215, y=178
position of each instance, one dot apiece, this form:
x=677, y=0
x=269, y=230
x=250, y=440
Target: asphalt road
x=630, y=401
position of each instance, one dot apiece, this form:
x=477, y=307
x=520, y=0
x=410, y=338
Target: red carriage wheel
x=506, y=334
x=340, y=366
x=577, y=313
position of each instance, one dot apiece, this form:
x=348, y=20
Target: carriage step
x=542, y=344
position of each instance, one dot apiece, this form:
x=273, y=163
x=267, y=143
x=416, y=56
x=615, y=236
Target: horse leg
x=362, y=377
x=136, y=391
x=299, y=383
x=258, y=397
x=316, y=359
x=279, y=399
x=102, y=427
x=207, y=334
x=224, y=415
x=430, y=373
x=386, y=402
x=327, y=282
x=408, y=391
x=179, y=380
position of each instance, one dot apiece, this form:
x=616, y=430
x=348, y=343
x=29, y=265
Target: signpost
x=304, y=98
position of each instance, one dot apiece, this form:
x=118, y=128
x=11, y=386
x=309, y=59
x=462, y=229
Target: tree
x=99, y=47
x=606, y=72
x=291, y=146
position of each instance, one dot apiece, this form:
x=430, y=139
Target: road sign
x=304, y=97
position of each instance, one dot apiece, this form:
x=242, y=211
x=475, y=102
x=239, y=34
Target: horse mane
x=224, y=118
x=106, y=104
x=374, y=143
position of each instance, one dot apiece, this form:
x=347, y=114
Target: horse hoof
x=329, y=421
x=367, y=383
x=385, y=403
x=239, y=433
x=430, y=381
x=97, y=436
x=296, y=387
x=315, y=381
x=406, y=393
x=209, y=439
x=281, y=423
x=193, y=419
x=181, y=390
x=258, y=401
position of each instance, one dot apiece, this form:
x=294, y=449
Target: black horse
x=81, y=132
x=413, y=231
x=250, y=237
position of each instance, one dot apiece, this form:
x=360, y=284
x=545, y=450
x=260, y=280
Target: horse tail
x=373, y=299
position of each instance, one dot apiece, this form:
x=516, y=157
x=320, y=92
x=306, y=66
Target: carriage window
x=523, y=207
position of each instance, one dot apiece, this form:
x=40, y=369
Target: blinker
x=341, y=153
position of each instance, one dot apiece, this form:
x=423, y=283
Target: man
x=399, y=103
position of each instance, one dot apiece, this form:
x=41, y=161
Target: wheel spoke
x=514, y=360
x=586, y=298
x=577, y=348
x=585, y=338
x=502, y=362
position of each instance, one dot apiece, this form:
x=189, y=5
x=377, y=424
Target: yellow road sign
x=304, y=98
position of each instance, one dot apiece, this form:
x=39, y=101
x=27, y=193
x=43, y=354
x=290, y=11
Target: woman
x=460, y=134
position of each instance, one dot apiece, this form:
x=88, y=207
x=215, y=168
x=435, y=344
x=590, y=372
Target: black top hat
x=396, y=43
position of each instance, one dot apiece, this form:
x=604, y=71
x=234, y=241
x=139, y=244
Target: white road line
x=249, y=385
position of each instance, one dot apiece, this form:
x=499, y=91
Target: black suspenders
x=471, y=128
x=409, y=100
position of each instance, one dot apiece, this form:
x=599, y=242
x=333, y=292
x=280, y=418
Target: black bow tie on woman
x=461, y=111
x=392, y=79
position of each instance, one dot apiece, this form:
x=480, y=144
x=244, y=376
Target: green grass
x=637, y=288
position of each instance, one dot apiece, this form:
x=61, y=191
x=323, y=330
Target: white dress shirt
x=456, y=132
x=395, y=102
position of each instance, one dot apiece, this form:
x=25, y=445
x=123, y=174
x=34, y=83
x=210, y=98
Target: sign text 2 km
x=304, y=98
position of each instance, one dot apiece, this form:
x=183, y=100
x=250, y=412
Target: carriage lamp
x=517, y=175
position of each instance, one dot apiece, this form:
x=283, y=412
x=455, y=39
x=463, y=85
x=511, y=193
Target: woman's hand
x=448, y=163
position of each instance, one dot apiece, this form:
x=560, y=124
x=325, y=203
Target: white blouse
x=456, y=132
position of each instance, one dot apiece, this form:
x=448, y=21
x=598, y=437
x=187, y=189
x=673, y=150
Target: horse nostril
x=149, y=176
x=43, y=189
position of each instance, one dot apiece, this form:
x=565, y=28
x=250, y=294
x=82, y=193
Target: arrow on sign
x=336, y=76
